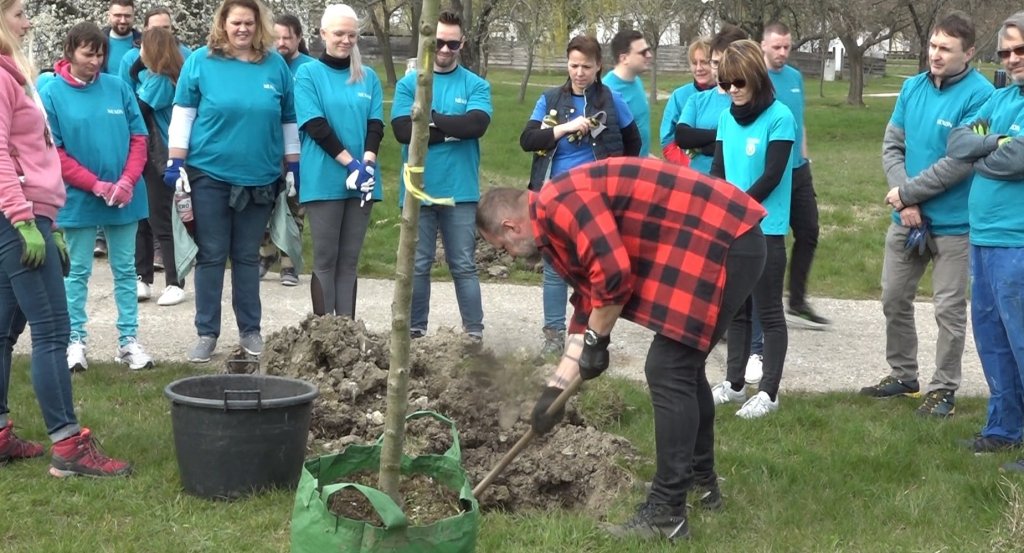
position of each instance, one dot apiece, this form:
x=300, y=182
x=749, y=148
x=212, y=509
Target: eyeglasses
x=738, y=83
x=714, y=64
x=452, y=45
x=700, y=63
x=1016, y=50
x=645, y=52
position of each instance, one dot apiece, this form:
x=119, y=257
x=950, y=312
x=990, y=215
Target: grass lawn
x=826, y=473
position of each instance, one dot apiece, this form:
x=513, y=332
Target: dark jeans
x=158, y=225
x=803, y=219
x=684, y=411
x=36, y=296
x=223, y=233
x=768, y=298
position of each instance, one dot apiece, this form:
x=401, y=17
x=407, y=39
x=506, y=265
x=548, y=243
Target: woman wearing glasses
x=755, y=138
x=699, y=56
x=576, y=123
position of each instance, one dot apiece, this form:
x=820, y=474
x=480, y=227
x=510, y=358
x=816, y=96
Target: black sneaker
x=938, y=403
x=892, y=387
x=266, y=262
x=707, y=496
x=802, y=316
x=99, y=250
x=653, y=521
x=988, y=444
x=417, y=333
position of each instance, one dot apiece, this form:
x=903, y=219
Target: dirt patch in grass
x=489, y=399
x=426, y=500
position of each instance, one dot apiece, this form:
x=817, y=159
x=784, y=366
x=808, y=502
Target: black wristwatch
x=592, y=338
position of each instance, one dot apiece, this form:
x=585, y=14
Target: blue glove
x=917, y=238
x=173, y=171
x=291, y=177
x=355, y=167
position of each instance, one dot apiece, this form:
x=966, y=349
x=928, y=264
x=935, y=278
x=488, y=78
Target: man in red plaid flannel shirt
x=661, y=245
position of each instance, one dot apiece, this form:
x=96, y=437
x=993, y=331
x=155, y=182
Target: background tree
x=859, y=25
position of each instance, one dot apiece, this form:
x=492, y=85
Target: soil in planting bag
x=315, y=529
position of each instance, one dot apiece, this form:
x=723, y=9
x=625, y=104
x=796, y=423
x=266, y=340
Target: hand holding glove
x=541, y=422
x=354, y=168
x=33, y=247
x=1002, y=141
x=367, y=180
x=173, y=171
x=917, y=238
x=101, y=189
x=120, y=194
x=980, y=127
x=291, y=178
x=594, y=357
x=62, y=251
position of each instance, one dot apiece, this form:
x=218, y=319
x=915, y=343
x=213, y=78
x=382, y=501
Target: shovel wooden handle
x=558, y=404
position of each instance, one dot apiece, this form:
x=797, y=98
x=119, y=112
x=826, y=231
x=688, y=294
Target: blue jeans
x=458, y=234
x=223, y=233
x=121, y=256
x=997, y=312
x=555, y=293
x=36, y=296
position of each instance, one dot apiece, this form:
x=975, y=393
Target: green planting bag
x=315, y=529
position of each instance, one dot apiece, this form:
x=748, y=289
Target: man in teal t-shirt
x=121, y=36
x=460, y=114
x=928, y=192
x=632, y=57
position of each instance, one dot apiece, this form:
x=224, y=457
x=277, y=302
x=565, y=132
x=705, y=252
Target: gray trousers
x=901, y=272
x=338, y=228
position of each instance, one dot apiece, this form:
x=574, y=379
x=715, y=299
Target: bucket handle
x=257, y=393
x=455, y=451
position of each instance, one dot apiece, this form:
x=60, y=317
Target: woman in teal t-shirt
x=755, y=137
x=339, y=105
x=234, y=121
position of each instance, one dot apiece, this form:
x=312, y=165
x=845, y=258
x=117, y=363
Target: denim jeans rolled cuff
x=229, y=225
x=35, y=297
x=457, y=227
x=555, y=293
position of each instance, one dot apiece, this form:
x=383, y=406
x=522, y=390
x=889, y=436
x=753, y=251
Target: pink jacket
x=30, y=181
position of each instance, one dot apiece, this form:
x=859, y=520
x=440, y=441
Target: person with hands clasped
x=101, y=140
x=339, y=105
x=667, y=248
x=32, y=258
x=232, y=126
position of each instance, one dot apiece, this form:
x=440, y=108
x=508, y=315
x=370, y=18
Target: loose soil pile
x=575, y=466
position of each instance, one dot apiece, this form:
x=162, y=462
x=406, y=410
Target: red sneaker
x=13, y=448
x=81, y=455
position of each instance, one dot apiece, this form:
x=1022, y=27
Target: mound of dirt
x=489, y=400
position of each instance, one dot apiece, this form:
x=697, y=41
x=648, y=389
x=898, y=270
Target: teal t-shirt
x=157, y=91
x=744, y=152
x=452, y=168
x=125, y=69
x=117, y=47
x=45, y=79
x=673, y=109
x=94, y=125
x=323, y=91
x=633, y=93
x=298, y=61
x=240, y=107
x=927, y=114
x=789, y=89
x=703, y=111
x=573, y=154
x=996, y=216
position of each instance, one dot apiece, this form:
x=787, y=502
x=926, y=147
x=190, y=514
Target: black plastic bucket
x=236, y=434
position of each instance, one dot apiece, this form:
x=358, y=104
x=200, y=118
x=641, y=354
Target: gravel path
x=850, y=355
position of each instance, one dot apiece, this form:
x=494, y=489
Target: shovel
x=559, y=402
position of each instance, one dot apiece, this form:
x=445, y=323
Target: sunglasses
x=1005, y=54
x=645, y=52
x=738, y=83
x=452, y=45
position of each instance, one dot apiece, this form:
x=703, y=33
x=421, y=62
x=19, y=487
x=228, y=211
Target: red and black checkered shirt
x=649, y=235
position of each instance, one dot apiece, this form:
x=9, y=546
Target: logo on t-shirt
x=943, y=123
x=269, y=86
x=115, y=111
x=461, y=100
x=1015, y=128
x=364, y=95
x=752, y=144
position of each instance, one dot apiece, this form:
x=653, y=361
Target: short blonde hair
x=262, y=37
x=701, y=44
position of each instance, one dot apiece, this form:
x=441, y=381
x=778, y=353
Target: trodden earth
x=488, y=393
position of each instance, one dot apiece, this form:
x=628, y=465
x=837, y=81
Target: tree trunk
x=530, y=54
x=855, y=61
x=384, y=39
x=401, y=304
x=652, y=95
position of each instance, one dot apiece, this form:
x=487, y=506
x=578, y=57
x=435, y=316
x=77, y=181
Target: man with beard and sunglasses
x=992, y=142
x=460, y=113
x=928, y=193
x=665, y=247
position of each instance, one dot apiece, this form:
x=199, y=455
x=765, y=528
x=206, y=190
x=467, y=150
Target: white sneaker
x=76, y=356
x=143, y=291
x=172, y=295
x=754, y=372
x=132, y=354
x=758, y=406
x=723, y=393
